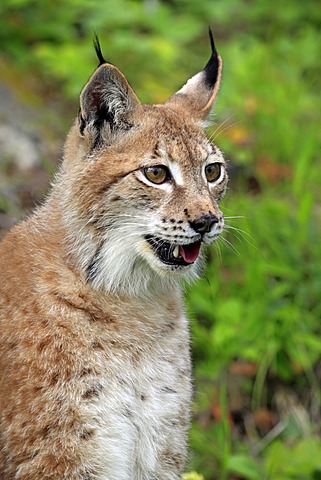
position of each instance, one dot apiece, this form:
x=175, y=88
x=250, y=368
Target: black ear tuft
x=98, y=51
x=212, y=67
x=210, y=33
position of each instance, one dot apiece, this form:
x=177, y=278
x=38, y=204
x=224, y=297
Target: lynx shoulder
x=94, y=344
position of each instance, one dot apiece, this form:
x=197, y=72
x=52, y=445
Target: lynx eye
x=213, y=172
x=157, y=174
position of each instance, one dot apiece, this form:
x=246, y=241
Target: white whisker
x=229, y=244
x=217, y=247
x=212, y=136
x=224, y=130
x=238, y=230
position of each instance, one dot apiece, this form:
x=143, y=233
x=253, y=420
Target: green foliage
x=244, y=466
x=259, y=300
x=132, y=33
x=272, y=296
x=301, y=461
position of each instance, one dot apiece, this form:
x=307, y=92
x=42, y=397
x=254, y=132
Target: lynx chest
x=136, y=395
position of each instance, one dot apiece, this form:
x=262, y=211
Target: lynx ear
x=198, y=95
x=108, y=104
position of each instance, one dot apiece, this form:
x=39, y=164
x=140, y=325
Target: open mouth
x=172, y=254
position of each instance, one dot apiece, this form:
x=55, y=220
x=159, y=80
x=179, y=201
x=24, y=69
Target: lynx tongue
x=190, y=252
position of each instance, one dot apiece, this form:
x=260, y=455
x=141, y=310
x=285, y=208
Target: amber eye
x=213, y=171
x=157, y=174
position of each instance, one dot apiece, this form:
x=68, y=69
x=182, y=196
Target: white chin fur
x=124, y=263
x=130, y=267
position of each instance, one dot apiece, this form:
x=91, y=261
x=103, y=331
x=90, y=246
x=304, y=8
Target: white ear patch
x=192, y=83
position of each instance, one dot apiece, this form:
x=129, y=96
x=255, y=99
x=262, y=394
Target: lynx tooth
x=176, y=252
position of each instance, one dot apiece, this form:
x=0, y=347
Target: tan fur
x=94, y=355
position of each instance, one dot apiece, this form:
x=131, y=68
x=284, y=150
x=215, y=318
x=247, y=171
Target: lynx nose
x=203, y=224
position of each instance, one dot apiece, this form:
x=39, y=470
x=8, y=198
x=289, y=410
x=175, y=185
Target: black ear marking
x=210, y=33
x=212, y=67
x=82, y=123
x=98, y=51
x=108, y=105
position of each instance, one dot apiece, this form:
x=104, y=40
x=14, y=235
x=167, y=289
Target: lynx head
x=141, y=183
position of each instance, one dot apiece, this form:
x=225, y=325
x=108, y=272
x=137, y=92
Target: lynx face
x=188, y=212
x=158, y=214
x=148, y=183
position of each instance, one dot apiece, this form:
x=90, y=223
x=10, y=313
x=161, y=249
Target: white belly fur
x=141, y=416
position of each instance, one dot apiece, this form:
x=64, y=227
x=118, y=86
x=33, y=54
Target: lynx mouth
x=173, y=254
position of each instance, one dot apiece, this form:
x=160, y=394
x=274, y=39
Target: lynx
x=95, y=370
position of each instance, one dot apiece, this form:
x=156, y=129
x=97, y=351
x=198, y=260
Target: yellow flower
x=192, y=476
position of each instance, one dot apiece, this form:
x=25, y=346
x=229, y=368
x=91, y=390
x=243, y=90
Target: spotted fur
x=95, y=374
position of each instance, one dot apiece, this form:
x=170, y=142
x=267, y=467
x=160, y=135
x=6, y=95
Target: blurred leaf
x=297, y=462
x=245, y=467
